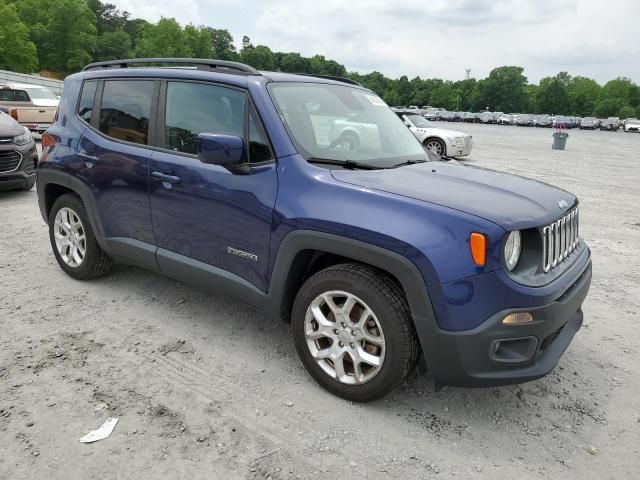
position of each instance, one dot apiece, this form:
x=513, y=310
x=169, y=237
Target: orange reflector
x=48, y=140
x=518, y=317
x=14, y=113
x=478, y=247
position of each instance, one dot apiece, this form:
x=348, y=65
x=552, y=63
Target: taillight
x=48, y=140
x=14, y=113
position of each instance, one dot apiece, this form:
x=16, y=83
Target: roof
x=198, y=67
x=20, y=85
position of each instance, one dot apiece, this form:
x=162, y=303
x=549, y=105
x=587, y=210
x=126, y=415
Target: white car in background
x=632, y=125
x=440, y=141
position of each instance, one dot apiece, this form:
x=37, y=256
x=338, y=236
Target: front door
x=206, y=212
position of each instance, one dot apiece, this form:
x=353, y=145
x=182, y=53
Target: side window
x=259, y=149
x=4, y=95
x=194, y=108
x=9, y=95
x=124, y=112
x=86, y=100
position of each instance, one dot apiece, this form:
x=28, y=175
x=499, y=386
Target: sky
x=430, y=38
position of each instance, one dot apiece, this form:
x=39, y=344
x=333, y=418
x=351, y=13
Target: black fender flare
x=405, y=272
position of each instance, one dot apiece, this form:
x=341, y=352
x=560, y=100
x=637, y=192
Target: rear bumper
x=496, y=354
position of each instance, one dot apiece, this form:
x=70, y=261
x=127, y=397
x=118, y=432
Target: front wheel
x=436, y=145
x=73, y=241
x=354, y=332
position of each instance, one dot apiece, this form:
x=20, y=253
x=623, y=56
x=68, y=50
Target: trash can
x=559, y=140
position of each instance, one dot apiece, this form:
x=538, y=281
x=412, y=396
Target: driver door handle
x=163, y=177
x=87, y=158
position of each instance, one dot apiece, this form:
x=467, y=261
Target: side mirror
x=219, y=149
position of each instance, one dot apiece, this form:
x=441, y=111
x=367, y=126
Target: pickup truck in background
x=32, y=106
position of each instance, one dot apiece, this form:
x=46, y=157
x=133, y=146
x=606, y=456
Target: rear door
x=113, y=160
x=206, y=212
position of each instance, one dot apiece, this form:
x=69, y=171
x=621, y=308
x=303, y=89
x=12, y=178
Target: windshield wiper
x=344, y=163
x=408, y=162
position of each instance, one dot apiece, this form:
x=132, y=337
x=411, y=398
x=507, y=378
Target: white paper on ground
x=101, y=433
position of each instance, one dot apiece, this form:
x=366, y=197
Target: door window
x=194, y=108
x=124, y=112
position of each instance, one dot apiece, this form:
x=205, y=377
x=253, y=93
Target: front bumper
x=496, y=354
x=25, y=172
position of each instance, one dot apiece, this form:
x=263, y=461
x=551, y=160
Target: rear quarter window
x=9, y=95
x=85, y=105
x=125, y=110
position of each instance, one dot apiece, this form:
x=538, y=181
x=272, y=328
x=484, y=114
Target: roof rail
x=331, y=77
x=201, y=63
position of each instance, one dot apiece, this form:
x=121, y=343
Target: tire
x=30, y=183
x=73, y=228
x=436, y=145
x=389, y=325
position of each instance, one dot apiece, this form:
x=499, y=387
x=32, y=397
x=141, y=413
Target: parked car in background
x=440, y=141
x=632, y=125
x=486, y=117
x=376, y=255
x=496, y=116
x=610, y=124
x=18, y=155
x=589, y=123
x=433, y=114
x=543, y=121
x=33, y=106
x=524, y=120
x=561, y=121
x=505, y=119
x=469, y=117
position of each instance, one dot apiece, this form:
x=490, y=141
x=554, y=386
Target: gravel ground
x=206, y=388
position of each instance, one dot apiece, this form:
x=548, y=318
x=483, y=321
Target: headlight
x=512, y=249
x=459, y=141
x=23, y=138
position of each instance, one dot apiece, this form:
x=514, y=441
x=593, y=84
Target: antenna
x=468, y=74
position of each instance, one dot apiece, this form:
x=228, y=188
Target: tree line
x=64, y=35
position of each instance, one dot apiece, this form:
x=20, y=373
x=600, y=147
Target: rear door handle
x=87, y=157
x=163, y=177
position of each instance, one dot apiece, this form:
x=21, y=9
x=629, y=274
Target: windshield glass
x=341, y=123
x=419, y=121
x=40, y=94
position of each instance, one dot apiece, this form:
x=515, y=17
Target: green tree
x=626, y=112
x=503, y=90
x=166, y=39
x=443, y=96
x=222, y=45
x=199, y=41
x=584, y=94
x=552, y=96
x=260, y=57
x=17, y=52
x=293, y=63
x=608, y=107
x=69, y=38
x=113, y=46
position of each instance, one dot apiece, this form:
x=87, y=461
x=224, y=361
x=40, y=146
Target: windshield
x=336, y=122
x=40, y=94
x=419, y=121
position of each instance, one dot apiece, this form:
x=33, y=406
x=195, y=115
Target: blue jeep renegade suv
x=309, y=199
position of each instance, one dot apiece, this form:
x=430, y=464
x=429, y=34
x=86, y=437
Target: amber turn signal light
x=48, y=140
x=478, y=248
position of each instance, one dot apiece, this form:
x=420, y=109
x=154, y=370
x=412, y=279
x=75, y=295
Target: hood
x=9, y=127
x=439, y=132
x=507, y=200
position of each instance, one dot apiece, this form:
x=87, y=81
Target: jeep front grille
x=560, y=239
x=9, y=161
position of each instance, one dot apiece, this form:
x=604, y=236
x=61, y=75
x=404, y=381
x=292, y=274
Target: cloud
x=434, y=38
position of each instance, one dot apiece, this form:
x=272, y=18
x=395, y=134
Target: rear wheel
x=353, y=331
x=73, y=241
x=436, y=145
